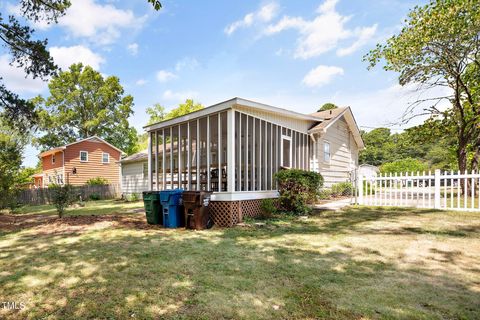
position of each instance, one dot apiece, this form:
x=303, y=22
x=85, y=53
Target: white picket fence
x=447, y=190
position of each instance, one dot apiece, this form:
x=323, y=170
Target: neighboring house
x=235, y=147
x=77, y=162
x=135, y=173
x=368, y=171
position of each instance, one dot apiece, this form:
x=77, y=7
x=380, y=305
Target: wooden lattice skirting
x=229, y=213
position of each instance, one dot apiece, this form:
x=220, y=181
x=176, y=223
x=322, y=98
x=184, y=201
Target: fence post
x=360, y=188
x=437, y=189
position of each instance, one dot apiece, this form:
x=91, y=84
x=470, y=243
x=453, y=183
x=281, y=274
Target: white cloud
x=323, y=33
x=321, y=75
x=14, y=78
x=187, y=63
x=66, y=56
x=364, y=35
x=141, y=82
x=265, y=14
x=99, y=23
x=133, y=48
x=164, y=76
x=179, y=96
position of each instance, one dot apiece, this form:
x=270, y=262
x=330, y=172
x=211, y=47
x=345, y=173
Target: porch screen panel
x=258, y=154
x=238, y=160
x=225, y=147
x=243, y=151
x=274, y=154
x=168, y=148
x=268, y=184
x=251, y=146
x=152, y=147
x=202, y=140
x=214, y=173
x=183, y=156
x=160, y=160
x=264, y=155
x=175, y=157
x=193, y=155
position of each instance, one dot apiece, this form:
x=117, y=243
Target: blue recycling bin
x=172, y=207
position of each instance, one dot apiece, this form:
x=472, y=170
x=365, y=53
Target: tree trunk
x=462, y=162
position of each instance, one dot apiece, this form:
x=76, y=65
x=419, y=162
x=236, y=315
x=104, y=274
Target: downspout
x=315, y=164
x=63, y=165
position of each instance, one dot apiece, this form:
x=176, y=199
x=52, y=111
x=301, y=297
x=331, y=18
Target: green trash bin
x=153, y=208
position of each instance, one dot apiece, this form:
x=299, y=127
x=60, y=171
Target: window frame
x=289, y=138
x=325, y=144
x=53, y=158
x=86, y=152
x=108, y=157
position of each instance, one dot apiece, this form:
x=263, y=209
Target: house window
x=83, y=156
x=105, y=157
x=145, y=169
x=326, y=151
x=60, y=179
x=286, y=153
x=53, y=159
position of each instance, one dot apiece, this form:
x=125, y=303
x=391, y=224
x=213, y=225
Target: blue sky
x=292, y=54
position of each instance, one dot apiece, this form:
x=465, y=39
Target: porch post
x=150, y=187
x=231, y=151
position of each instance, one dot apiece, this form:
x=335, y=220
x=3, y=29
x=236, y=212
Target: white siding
x=343, y=153
x=287, y=122
x=133, y=180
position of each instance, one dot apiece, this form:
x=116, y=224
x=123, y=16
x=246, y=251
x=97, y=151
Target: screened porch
x=229, y=151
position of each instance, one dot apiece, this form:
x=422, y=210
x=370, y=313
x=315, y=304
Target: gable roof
x=218, y=107
x=136, y=157
x=92, y=138
x=332, y=116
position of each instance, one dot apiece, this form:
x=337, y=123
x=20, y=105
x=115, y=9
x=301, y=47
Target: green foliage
x=82, y=103
x=324, y=194
x=62, y=196
x=132, y=197
x=157, y=112
x=327, y=106
x=98, y=181
x=268, y=208
x=342, y=189
x=438, y=47
x=403, y=165
x=95, y=197
x=297, y=189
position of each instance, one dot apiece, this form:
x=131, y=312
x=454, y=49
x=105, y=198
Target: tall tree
x=439, y=47
x=327, y=106
x=82, y=103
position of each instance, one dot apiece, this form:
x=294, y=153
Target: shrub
x=268, y=207
x=98, y=181
x=132, y=197
x=403, y=165
x=297, y=189
x=342, y=189
x=62, y=197
x=94, y=197
x=324, y=194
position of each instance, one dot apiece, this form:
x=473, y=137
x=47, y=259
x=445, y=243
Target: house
x=234, y=148
x=368, y=171
x=75, y=163
x=135, y=173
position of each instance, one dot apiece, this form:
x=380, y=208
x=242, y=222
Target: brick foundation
x=229, y=213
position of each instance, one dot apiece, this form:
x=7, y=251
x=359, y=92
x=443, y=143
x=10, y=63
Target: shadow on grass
x=123, y=272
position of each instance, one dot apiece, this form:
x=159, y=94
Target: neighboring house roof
x=37, y=175
x=136, y=157
x=227, y=105
x=331, y=116
x=61, y=148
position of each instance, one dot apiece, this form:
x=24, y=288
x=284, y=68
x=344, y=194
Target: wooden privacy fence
x=447, y=190
x=43, y=195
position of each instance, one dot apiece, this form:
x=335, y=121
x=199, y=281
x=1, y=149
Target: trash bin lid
x=166, y=194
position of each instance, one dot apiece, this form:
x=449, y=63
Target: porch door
x=286, y=152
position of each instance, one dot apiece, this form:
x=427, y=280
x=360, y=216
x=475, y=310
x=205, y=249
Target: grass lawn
x=361, y=263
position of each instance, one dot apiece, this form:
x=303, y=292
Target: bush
x=98, y=181
x=268, y=208
x=62, y=197
x=132, y=197
x=297, y=189
x=404, y=165
x=94, y=197
x=342, y=189
x=324, y=194
x=8, y=199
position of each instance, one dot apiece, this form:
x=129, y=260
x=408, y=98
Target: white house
x=135, y=174
x=235, y=147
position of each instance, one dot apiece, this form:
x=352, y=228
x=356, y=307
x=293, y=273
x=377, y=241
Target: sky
x=296, y=55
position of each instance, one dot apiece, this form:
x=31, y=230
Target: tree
x=378, y=146
x=404, y=165
x=156, y=113
x=439, y=47
x=82, y=104
x=327, y=106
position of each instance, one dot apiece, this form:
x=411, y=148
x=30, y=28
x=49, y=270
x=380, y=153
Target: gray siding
x=343, y=153
x=133, y=180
